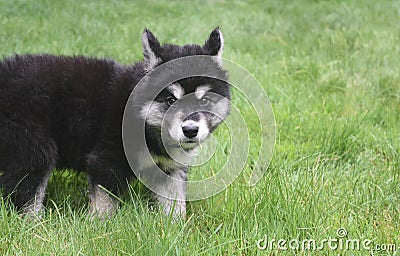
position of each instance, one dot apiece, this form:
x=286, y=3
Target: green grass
x=332, y=72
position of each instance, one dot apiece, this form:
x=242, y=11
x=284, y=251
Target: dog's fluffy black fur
x=66, y=112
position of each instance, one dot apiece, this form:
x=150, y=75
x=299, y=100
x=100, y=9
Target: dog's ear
x=151, y=50
x=215, y=44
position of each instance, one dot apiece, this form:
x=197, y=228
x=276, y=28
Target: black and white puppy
x=66, y=112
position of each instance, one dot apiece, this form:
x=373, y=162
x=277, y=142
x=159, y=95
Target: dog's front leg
x=170, y=193
x=102, y=204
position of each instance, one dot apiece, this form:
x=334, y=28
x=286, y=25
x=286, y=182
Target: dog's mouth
x=186, y=144
x=189, y=143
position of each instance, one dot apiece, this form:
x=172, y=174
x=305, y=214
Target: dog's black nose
x=190, y=131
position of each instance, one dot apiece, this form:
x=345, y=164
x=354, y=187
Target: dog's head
x=186, y=111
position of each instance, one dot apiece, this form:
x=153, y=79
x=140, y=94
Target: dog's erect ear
x=215, y=44
x=151, y=50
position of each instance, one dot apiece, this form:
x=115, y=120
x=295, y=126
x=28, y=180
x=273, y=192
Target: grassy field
x=332, y=72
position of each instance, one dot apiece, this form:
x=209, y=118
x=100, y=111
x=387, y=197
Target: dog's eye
x=170, y=100
x=205, y=101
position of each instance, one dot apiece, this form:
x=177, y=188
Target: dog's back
x=51, y=111
x=59, y=97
